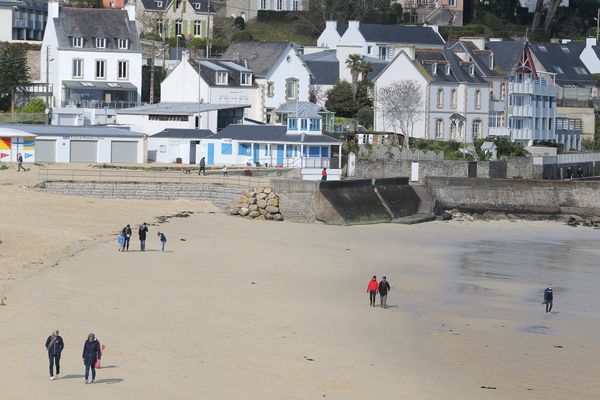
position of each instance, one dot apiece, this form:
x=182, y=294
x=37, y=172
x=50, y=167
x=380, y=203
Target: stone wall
x=220, y=195
x=516, y=195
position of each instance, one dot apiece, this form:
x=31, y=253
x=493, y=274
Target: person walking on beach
x=20, y=163
x=324, y=174
x=91, y=354
x=127, y=235
x=121, y=241
x=142, y=231
x=163, y=240
x=202, y=170
x=372, y=289
x=384, y=288
x=225, y=171
x=54, y=345
x=548, y=298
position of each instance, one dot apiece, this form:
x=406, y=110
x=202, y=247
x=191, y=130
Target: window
x=314, y=151
x=303, y=124
x=478, y=98
x=279, y=5
x=163, y=148
x=496, y=119
x=476, y=128
x=565, y=49
x=197, y=28
x=263, y=5
x=295, y=5
x=491, y=61
x=221, y=78
x=159, y=4
x=452, y=3
x=123, y=69
x=448, y=69
x=453, y=98
x=178, y=27
x=270, y=89
x=472, y=70
x=197, y=6
x=123, y=44
x=369, y=49
x=439, y=128
x=453, y=130
x=580, y=70
x=434, y=68
x=542, y=48
x=100, y=43
x=292, y=124
x=246, y=79
x=226, y=148
x=77, y=68
x=160, y=27
x=244, y=149
x=440, y=98
x=291, y=89
x=77, y=42
x=100, y=69
x=502, y=91
x=315, y=124
x=325, y=152
x=558, y=69
x=383, y=53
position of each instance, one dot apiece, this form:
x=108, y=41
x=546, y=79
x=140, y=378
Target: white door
x=414, y=172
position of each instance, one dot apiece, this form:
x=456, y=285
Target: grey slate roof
x=480, y=57
x=341, y=28
x=177, y=108
x=269, y=133
x=260, y=56
x=324, y=67
x=152, y=5
x=183, y=134
x=303, y=109
x=559, y=58
x=209, y=75
x=92, y=23
x=506, y=54
x=94, y=131
x=459, y=70
x=98, y=85
x=409, y=34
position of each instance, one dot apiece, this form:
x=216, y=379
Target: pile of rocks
x=258, y=203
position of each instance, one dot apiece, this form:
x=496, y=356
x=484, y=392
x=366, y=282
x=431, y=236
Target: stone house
x=169, y=18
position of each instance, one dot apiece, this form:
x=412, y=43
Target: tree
x=353, y=62
x=401, y=105
x=14, y=72
x=343, y=104
x=34, y=106
x=552, y=8
x=537, y=15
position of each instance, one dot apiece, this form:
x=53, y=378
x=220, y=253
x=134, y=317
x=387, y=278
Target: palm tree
x=365, y=68
x=354, y=63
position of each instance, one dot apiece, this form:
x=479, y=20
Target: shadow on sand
x=109, y=381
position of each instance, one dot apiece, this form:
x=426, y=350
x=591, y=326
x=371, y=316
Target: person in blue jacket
x=163, y=240
x=548, y=298
x=55, y=346
x=91, y=354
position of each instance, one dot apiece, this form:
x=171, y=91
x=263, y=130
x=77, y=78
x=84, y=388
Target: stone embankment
x=258, y=203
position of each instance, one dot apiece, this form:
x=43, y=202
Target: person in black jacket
x=202, y=170
x=54, y=345
x=127, y=234
x=384, y=287
x=142, y=231
x=91, y=354
x=548, y=298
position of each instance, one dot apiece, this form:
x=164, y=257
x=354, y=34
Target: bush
x=242, y=36
x=365, y=117
x=34, y=106
x=198, y=43
x=239, y=23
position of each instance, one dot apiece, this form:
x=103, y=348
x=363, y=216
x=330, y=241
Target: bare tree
x=401, y=103
x=537, y=15
x=552, y=8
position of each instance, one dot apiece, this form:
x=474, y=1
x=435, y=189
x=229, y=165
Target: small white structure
x=153, y=118
x=82, y=144
x=173, y=145
x=74, y=116
x=590, y=56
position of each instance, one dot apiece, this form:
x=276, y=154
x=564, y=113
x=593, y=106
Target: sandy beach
x=240, y=309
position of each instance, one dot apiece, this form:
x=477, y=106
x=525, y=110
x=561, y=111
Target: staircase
x=424, y=212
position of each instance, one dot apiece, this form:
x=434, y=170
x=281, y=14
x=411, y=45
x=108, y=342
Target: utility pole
x=208, y=32
x=47, y=84
x=151, y=99
x=598, y=27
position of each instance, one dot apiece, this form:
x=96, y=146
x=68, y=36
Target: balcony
x=498, y=131
x=523, y=133
x=532, y=87
x=113, y=105
x=521, y=111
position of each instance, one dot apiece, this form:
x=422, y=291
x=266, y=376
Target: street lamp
x=598, y=26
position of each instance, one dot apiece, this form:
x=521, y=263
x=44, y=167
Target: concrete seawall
x=220, y=195
x=517, y=196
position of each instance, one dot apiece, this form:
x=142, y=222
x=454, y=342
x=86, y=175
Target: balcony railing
x=532, y=87
x=521, y=111
x=101, y=104
x=498, y=131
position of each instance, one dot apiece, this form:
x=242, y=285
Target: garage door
x=84, y=151
x=45, y=151
x=124, y=152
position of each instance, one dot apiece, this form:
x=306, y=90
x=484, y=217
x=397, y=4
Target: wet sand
x=246, y=309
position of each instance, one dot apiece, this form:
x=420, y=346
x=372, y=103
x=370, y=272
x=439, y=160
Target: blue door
x=279, y=154
x=211, y=154
x=256, y=153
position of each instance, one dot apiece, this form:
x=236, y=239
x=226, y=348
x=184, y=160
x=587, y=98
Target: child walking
x=163, y=240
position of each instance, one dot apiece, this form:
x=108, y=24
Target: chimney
x=53, y=9
x=589, y=42
x=330, y=24
x=130, y=8
x=353, y=24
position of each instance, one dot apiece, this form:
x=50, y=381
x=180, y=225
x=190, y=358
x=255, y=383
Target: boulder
x=244, y=211
x=271, y=195
x=254, y=214
x=262, y=211
x=234, y=211
x=253, y=207
x=268, y=216
x=258, y=189
x=267, y=190
x=277, y=217
x=252, y=200
x=262, y=203
x=261, y=196
x=260, y=217
x=272, y=209
x=274, y=202
x=446, y=216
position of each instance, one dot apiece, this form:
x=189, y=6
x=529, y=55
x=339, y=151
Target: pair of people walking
x=382, y=288
x=92, y=353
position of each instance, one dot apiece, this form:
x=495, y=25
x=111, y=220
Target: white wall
x=142, y=123
x=63, y=147
x=295, y=68
x=352, y=36
x=6, y=24
x=330, y=37
x=168, y=150
x=342, y=53
x=589, y=58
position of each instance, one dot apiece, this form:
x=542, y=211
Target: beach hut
x=14, y=141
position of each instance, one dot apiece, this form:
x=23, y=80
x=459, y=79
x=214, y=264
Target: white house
x=95, y=58
x=22, y=20
x=153, y=118
x=248, y=9
x=590, y=56
x=220, y=82
x=280, y=73
x=332, y=34
x=455, y=96
x=171, y=144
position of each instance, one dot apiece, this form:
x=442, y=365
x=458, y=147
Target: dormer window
x=315, y=124
x=159, y=4
x=100, y=43
x=198, y=5
x=245, y=79
x=434, y=68
x=448, y=69
x=221, y=78
x=292, y=124
x=472, y=70
x=77, y=41
x=123, y=44
x=492, y=61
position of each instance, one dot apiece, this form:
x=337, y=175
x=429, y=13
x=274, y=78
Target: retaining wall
x=220, y=195
x=517, y=195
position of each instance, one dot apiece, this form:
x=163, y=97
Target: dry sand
x=261, y=310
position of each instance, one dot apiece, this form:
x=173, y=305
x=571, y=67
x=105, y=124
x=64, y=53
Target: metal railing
x=144, y=176
x=117, y=104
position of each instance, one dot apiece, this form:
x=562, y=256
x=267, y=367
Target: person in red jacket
x=324, y=174
x=372, y=289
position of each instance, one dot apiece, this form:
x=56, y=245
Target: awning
x=94, y=85
x=12, y=132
